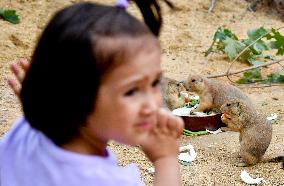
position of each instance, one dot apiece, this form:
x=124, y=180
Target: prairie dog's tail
x=276, y=159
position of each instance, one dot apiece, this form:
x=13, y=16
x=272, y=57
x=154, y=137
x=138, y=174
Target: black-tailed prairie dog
x=255, y=130
x=171, y=90
x=213, y=93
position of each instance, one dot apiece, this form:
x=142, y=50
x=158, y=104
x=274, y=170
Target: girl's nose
x=151, y=104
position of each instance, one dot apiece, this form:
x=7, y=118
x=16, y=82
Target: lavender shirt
x=29, y=158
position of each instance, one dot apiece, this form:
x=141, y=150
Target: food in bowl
x=195, y=121
x=198, y=121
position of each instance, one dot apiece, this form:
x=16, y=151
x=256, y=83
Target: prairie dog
x=171, y=89
x=255, y=130
x=213, y=93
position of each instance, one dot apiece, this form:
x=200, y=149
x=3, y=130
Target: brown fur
x=171, y=89
x=213, y=93
x=255, y=130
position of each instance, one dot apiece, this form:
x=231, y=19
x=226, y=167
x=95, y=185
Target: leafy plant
x=250, y=50
x=228, y=43
x=9, y=15
x=191, y=103
x=254, y=76
x=251, y=76
x=275, y=77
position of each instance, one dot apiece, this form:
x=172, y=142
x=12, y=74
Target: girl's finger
x=14, y=87
x=16, y=71
x=175, y=125
x=24, y=64
x=180, y=125
x=163, y=118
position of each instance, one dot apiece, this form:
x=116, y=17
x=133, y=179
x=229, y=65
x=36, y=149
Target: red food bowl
x=199, y=123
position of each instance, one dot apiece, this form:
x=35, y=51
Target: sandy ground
x=186, y=34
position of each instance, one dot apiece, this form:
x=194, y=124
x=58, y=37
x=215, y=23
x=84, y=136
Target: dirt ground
x=186, y=34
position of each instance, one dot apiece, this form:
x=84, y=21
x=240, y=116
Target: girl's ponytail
x=151, y=12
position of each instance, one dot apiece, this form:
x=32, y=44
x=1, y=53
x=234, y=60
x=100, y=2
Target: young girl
x=94, y=77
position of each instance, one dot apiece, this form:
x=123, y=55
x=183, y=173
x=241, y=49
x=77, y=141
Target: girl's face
x=128, y=98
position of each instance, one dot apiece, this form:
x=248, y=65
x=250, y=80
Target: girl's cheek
x=159, y=99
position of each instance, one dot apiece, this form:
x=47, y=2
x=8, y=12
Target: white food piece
x=194, y=97
x=183, y=94
x=249, y=180
x=214, y=132
x=272, y=117
x=199, y=114
x=184, y=111
x=189, y=155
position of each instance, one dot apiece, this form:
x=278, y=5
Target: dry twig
x=247, y=69
x=213, y=2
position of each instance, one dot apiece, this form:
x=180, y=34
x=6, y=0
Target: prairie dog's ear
x=239, y=109
x=238, y=104
x=239, y=113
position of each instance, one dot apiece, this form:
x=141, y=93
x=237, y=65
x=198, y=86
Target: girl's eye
x=131, y=92
x=156, y=83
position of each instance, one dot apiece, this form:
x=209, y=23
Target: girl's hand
x=162, y=149
x=19, y=70
x=163, y=141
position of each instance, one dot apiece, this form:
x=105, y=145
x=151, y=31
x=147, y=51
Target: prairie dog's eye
x=228, y=104
x=193, y=80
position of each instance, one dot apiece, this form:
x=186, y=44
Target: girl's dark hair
x=152, y=13
x=60, y=87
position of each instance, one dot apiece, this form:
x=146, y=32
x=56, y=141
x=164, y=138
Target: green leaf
x=246, y=55
x=255, y=62
x=270, y=57
x=254, y=34
x=259, y=59
x=251, y=76
x=192, y=103
x=257, y=46
x=9, y=15
x=278, y=44
x=233, y=47
x=276, y=77
x=223, y=33
x=219, y=36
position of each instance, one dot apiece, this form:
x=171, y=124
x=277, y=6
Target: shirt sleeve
x=135, y=174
